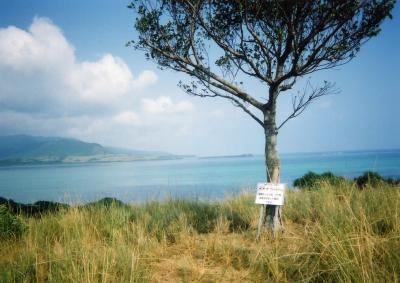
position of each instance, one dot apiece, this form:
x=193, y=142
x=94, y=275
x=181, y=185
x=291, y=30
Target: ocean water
x=187, y=178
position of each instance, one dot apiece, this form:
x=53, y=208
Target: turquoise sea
x=187, y=178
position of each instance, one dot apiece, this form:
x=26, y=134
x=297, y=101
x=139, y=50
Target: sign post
x=268, y=194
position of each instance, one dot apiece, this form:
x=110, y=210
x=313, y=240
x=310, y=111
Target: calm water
x=188, y=178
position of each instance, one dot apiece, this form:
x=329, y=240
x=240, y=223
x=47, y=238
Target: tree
x=275, y=42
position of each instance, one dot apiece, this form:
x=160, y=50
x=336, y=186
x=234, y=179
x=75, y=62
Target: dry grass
x=339, y=234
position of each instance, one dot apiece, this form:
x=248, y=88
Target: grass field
x=332, y=234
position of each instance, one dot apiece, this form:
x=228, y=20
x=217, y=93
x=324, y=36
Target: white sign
x=270, y=193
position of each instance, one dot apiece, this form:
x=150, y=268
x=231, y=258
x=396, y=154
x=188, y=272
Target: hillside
x=23, y=146
x=24, y=149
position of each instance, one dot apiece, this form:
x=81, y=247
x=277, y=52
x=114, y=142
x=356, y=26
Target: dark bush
x=10, y=225
x=373, y=179
x=36, y=209
x=202, y=216
x=382, y=227
x=237, y=222
x=313, y=180
x=106, y=202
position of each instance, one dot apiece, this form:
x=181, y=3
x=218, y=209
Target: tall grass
x=332, y=234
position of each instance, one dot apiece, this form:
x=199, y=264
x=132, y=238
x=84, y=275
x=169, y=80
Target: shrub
x=313, y=180
x=165, y=220
x=105, y=202
x=373, y=179
x=202, y=216
x=237, y=222
x=10, y=225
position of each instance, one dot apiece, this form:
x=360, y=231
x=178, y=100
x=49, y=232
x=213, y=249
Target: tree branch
x=218, y=82
x=204, y=93
x=301, y=102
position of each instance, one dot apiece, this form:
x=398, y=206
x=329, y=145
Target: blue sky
x=65, y=71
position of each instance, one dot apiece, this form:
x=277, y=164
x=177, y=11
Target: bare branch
x=303, y=100
x=196, y=70
x=193, y=90
x=287, y=86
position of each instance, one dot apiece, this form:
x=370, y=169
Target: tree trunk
x=271, y=214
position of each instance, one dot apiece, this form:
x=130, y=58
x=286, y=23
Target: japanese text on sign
x=269, y=193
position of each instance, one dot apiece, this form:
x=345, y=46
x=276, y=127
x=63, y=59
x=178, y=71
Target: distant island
x=228, y=156
x=29, y=150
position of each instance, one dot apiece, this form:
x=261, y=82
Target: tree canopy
x=274, y=41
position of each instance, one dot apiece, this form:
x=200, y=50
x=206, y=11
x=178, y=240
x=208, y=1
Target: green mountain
x=24, y=149
x=23, y=146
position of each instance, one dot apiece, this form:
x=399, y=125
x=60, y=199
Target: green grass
x=332, y=234
x=11, y=226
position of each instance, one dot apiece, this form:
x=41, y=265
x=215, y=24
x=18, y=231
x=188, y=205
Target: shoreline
x=310, y=180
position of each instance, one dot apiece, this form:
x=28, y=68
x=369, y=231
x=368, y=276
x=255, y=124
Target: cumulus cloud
x=42, y=47
x=39, y=65
x=127, y=118
x=46, y=90
x=145, y=78
x=164, y=105
x=102, y=80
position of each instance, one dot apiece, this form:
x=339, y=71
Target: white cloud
x=46, y=90
x=145, y=78
x=42, y=58
x=42, y=47
x=164, y=105
x=127, y=118
x=101, y=80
